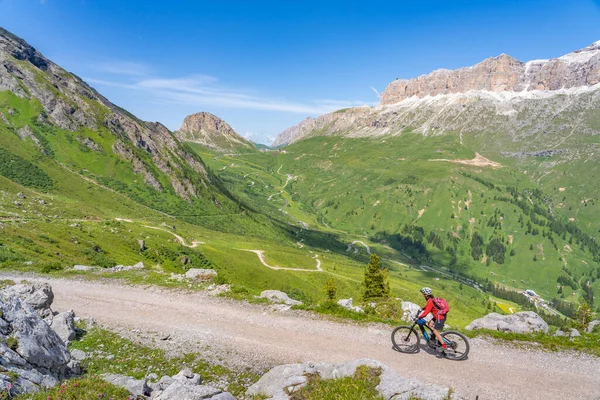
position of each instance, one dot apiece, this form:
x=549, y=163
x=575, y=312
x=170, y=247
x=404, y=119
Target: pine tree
x=330, y=289
x=376, y=285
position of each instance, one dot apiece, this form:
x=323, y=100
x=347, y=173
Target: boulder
x=83, y=268
x=64, y=326
x=201, y=274
x=521, y=322
x=78, y=355
x=181, y=391
x=142, y=244
x=347, y=303
x=283, y=380
x=33, y=353
x=119, y=268
x=559, y=333
x=136, y=387
x=215, y=290
x=592, y=325
x=277, y=296
x=574, y=333
x=411, y=310
x=37, y=295
x=187, y=377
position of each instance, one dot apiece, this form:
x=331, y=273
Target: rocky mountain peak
x=503, y=73
x=210, y=131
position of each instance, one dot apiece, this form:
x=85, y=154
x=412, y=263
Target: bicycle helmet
x=426, y=291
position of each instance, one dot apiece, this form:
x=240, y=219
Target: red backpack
x=441, y=305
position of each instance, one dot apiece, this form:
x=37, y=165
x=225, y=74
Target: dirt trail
x=261, y=257
x=254, y=331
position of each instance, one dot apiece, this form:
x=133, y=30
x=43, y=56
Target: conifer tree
x=330, y=289
x=376, y=285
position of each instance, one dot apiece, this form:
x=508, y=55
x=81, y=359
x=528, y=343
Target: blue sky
x=265, y=65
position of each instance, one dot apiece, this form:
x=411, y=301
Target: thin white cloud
x=203, y=90
x=376, y=91
x=248, y=135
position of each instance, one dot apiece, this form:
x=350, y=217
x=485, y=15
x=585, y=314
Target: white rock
x=347, y=303
x=277, y=296
x=283, y=379
x=201, y=274
x=592, y=325
x=521, y=322
x=64, y=326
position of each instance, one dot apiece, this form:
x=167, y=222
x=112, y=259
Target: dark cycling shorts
x=438, y=324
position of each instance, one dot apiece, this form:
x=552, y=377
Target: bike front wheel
x=457, y=345
x=405, y=339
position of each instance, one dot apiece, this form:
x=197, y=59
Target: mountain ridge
x=431, y=104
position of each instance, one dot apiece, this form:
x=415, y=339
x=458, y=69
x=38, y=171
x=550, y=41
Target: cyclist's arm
x=427, y=310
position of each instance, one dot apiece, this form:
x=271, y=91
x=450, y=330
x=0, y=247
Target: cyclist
x=437, y=323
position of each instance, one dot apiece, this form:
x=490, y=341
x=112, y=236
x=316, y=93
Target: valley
x=478, y=188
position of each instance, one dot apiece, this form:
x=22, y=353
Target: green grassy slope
x=399, y=193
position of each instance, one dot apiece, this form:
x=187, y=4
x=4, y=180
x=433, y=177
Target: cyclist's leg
x=436, y=326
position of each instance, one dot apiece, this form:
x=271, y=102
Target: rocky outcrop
x=32, y=355
x=186, y=385
x=504, y=73
x=292, y=134
x=64, y=326
x=277, y=296
x=521, y=322
x=284, y=380
x=210, y=131
x=37, y=295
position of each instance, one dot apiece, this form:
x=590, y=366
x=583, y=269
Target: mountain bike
x=406, y=340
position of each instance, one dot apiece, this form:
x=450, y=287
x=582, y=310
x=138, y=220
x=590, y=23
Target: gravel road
x=258, y=334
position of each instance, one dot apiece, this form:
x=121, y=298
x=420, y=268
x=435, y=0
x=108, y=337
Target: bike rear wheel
x=405, y=339
x=457, y=345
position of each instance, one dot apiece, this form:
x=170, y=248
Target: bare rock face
x=32, y=355
x=504, y=73
x=208, y=130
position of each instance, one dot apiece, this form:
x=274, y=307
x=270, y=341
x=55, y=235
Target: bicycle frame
x=427, y=336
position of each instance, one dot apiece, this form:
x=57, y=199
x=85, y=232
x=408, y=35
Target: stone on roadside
x=136, y=387
x=521, y=322
x=201, y=274
x=574, y=333
x=38, y=358
x=64, y=326
x=277, y=296
x=181, y=391
x=37, y=295
x=284, y=379
x=347, y=304
x=410, y=311
x=78, y=355
x=187, y=377
x=590, y=328
x=83, y=268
